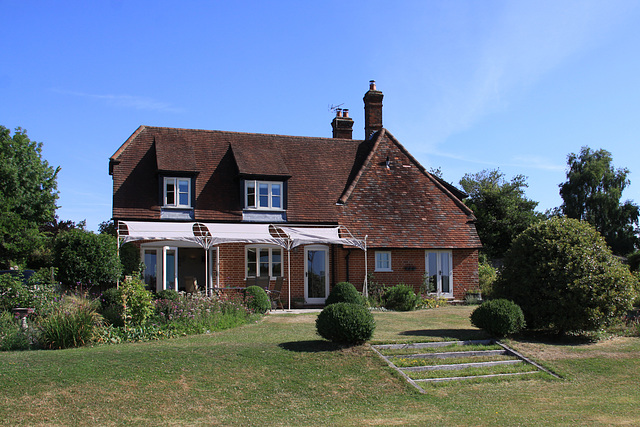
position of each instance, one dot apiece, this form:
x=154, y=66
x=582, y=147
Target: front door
x=316, y=272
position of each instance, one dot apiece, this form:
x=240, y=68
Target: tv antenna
x=333, y=108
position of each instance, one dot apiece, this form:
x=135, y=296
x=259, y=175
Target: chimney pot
x=372, y=84
x=338, y=112
x=345, y=112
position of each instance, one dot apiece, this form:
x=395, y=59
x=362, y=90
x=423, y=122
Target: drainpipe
x=346, y=259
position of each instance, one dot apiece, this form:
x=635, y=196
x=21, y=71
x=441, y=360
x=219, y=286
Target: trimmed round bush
x=257, y=299
x=400, y=298
x=499, y=317
x=565, y=278
x=344, y=292
x=345, y=323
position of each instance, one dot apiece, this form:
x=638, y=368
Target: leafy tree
x=27, y=196
x=565, y=278
x=501, y=208
x=86, y=258
x=592, y=193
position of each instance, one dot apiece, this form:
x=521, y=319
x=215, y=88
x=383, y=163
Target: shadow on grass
x=456, y=334
x=311, y=346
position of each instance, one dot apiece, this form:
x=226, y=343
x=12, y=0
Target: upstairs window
x=177, y=192
x=263, y=195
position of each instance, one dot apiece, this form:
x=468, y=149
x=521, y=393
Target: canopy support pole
x=289, y=277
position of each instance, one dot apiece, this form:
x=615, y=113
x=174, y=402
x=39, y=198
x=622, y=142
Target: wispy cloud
x=530, y=162
x=529, y=40
x=127, y=101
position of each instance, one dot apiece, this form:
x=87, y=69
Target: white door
x=170, y=268
x=316, y=274
x=438, y=267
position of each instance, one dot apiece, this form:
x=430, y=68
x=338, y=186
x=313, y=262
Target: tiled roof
x=329, y=181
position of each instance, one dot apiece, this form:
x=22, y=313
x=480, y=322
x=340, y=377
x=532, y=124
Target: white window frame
x=255, y=184
x=176, y=197
x=258, y=248
x=383, y=264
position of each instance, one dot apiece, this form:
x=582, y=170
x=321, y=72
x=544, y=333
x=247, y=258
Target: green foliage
x=592, y=193
x=345, y=323
x=37, y=292
x=433, y=302
x=111, y=306
x=86, y=258
x=565, y=278
x=344, y=292
x=499, y=317
x=74, y=323
x=501, y=208
x=400, y=298
x=375, y=290
x=257, y=299
x=196, y=314
x=130, y=259
x=27, y=196
x=12, y=335
x=487, y=276
x=137, y=305
x=168, y=294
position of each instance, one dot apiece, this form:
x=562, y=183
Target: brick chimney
x=342, y=124
x=372, y=110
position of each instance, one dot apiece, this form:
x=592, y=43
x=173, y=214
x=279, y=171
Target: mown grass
x=405, y=362
x=279, y=372
x=445, y=348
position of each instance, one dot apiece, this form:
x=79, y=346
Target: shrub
x=400, y=298
x=111, y=306
x=12, y=335
x=257, y=300
x=136, y=302
x=33, y=292
x=565, y=278
x=487, y=276
x=168, y=294
x=344, y=292
x=73, y=323
x=433, y=302
x=199, y=314
x=345, y=323
x=83, y=257
x=498, y=317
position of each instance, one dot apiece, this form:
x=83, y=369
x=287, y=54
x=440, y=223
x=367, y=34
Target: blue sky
x=468, y=85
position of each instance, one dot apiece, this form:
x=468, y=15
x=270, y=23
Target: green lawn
x=279, y=372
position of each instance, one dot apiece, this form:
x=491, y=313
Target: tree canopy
x=592, y=193
x=501, y=208
x=28, y=196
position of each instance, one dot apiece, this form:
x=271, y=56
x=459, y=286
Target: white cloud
x=528, y=40
x=128, y=101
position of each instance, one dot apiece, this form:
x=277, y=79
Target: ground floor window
x=383, y=261
x=263, y=261
x=438, y=265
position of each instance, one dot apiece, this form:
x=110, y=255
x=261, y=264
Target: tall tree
x=592, y=193
x=501, y=208
x=27, y=196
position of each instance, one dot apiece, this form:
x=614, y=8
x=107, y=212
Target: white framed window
x=383, y=261
x=263, y=195
x=177, y=192
x=263, y=261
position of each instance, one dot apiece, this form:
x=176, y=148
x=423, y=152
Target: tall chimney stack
x=372, y=110
x=342, y=124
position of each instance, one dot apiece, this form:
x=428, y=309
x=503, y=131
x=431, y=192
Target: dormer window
x=177, y=192
x=264, y=195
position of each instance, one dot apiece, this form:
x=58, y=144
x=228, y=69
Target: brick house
x=217, y=209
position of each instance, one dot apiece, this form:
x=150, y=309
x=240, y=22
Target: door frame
x=324, y=249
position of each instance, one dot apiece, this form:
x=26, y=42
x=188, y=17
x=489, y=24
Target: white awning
x=210, y=234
